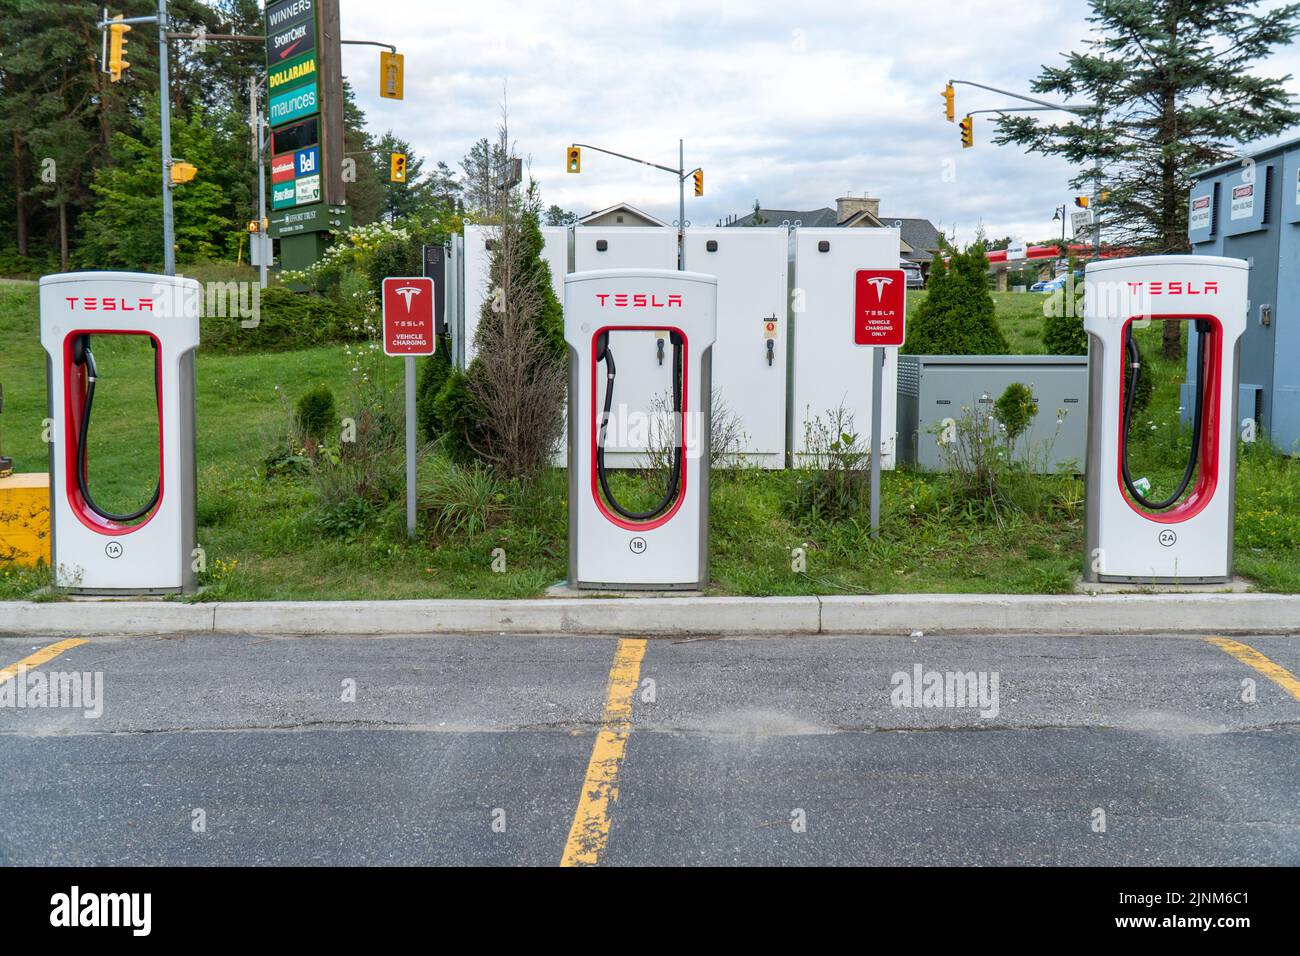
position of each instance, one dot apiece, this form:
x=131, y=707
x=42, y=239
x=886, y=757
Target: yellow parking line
x=590, y=830
x=40, y=657
x=1248, y=655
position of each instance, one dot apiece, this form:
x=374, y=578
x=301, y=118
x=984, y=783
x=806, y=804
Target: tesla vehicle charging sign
x=879, y=301
x=408, y=316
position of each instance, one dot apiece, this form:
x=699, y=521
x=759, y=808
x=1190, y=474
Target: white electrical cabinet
x=477, y=258
x=555, y=250
x=827, y=371
x=749, y=360
x=644, y=358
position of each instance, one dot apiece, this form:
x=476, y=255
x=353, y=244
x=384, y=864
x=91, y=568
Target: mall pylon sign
x=304, y=103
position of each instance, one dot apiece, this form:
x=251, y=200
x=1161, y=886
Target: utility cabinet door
x=749, y=381
x=828, y=371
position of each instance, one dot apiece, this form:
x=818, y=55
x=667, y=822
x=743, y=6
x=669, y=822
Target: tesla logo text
x=639, y=300
x=878, y=283
x=408, y=292
x=1175, y=287
x=108, y=303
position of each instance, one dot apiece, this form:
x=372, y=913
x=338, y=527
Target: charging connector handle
x=1198, y=418
x=82, y=355
x=605, y=354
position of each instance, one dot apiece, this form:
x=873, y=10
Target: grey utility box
x=934, y=388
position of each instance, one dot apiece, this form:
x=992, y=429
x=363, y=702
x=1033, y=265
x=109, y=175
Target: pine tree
x=957, y=315
x=1175, y=89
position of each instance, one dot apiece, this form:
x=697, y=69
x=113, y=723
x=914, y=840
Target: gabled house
x=920, y=238
x=621, y=214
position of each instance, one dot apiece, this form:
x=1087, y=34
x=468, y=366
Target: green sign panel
x=294, y=104
x=292, y=74
x=314, y=218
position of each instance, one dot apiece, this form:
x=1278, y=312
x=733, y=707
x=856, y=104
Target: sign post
x=879, y=305
x=408, y=332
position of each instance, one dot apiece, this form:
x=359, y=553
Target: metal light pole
x=681, y=205
x=164, y=101
x=264, y=252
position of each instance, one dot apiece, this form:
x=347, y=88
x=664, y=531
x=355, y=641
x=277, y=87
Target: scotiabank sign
x=879, y=304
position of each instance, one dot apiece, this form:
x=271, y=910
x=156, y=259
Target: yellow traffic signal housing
x=397, y=167
x=391, y=71
x=183, y=172
x=699, y=182
x=1082, y=201
x=949, y=103
x=575, y=160
x=117, y=61
x=967, y=132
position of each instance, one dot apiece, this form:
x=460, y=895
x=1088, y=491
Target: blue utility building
x=1249, y=208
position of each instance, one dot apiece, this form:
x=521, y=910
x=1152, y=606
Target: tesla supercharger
x=1186, y=536
x=94, y=549
x=607, y=314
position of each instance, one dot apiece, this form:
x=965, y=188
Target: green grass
x=274, y=539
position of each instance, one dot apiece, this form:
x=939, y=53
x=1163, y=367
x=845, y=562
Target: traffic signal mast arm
x=1094, y=109
x=1067, y=107
x=644, y=162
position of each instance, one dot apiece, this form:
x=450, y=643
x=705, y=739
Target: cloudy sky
x=790, y=103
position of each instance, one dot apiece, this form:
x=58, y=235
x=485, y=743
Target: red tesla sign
x=408, y=316
x=879, y=301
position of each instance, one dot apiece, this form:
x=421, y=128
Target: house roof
x=811, y=218
x=920, y=237
x=626, y=207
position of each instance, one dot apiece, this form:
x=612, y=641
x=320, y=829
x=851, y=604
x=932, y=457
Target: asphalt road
x=538, y=750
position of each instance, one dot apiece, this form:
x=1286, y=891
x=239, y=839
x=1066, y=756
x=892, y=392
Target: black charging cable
x=1198, y=416
x=605, y=354
x=82, y=355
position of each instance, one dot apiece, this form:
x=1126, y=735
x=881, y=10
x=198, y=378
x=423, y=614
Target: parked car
x=1051, y=285
x=1038, y=286
x=912, y=273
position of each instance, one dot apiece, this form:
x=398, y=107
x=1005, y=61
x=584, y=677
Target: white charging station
x=1185, y=537
x=94, y=550
x=826, y=373
x=609, y=314
x=749, y=363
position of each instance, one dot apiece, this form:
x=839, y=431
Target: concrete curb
x=889, y=614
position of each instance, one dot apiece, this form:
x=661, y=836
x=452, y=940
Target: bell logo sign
x=879, y=301
x=408, y=316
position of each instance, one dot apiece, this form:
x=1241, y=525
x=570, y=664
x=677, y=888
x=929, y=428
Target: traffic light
x=575, y=160
x=699, y=182
x=949, y=98
x=117, y=62
x=391, y=70
x=254, y=226
x=182, y=172
x=967, y=132
x=397, y=167
x=1082, y=202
